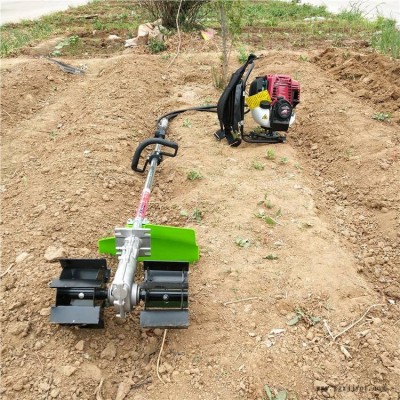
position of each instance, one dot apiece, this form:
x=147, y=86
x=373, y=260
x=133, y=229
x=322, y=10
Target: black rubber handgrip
x=149, y=142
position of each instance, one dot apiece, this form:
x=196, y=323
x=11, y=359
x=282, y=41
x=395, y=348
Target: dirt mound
x=331, y=258
x=371, y=77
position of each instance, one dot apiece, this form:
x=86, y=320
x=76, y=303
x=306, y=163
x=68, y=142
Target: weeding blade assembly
x=81, y=290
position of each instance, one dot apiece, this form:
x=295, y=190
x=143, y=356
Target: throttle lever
x=149, y=142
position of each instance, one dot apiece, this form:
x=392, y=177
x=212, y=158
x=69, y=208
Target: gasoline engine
x=272, y=100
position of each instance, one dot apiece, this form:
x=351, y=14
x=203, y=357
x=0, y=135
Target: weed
x=266, y=202
x=268, y=220
x=270, y=154
x=245, y=243
x=348, y=153
x=207, y=101
x=381, y=116
x=193, y=175
x=271, y=257
x=197, y=215
x=156, y=46
x=283, y=160
x=187, y=123
x=71, y=41
x=305, y=316
x=217, y=78
x=53, y=135
x=281, y=395
x=257, y=165
x=303, y=58
x=242, y=57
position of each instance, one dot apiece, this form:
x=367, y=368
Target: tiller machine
x=166, y=252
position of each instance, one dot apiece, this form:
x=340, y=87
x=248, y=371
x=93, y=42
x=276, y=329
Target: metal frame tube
x=123, y=293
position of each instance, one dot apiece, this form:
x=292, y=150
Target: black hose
x=173, y=114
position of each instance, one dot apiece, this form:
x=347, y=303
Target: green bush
x=156, y=46
x=167, y=10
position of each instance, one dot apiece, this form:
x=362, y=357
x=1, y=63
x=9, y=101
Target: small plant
x=72, y=41
x=197, y=215
x=242, y=57
x=303, y=58
x=283, y=160
x=266, y=202
x=193, y=175
x=270, y=154
x=305, y=316
x=271, y=257
x=242, y=242
x=268, y=220
x=53, y=135
x=207, y=101
x=381, y=116
x=187, y=123
x=348, y=153
x=281, y=395
x=257, y=165
x=156, y=46
x=217, y=78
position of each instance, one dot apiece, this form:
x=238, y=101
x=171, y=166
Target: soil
x=317, y=312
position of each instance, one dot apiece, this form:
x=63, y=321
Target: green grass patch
x=387, y=38
x=300, y=25
x=98, y=15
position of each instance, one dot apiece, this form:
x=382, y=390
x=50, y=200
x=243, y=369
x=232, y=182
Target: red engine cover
x=283, y=86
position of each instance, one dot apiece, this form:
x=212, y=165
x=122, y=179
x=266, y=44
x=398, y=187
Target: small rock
x=194, y=371
x=369, y=260
x=123, y=390
x=393, y=292
x=151, y=348
x=91, y=371
x=80, y=345
x=17, y=387
x=320, y=385
x=67, y=370
x=21, y=257
x=53, y=253
x=131, y=42
x=113, y=37
x=20, y=328
x=345, y=352
x=109, y=352
x=44, y=386
x=54, y=393
x=44, y=312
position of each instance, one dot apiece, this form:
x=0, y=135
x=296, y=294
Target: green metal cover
x=168, y=243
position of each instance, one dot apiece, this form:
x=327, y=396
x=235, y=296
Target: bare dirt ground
x=333, y=188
